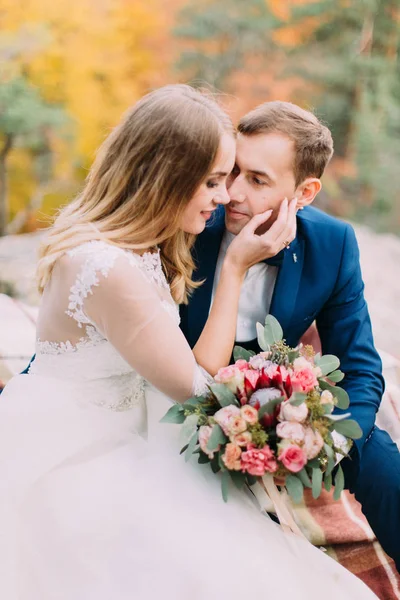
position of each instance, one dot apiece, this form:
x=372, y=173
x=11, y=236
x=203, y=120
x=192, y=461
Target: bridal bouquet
x=270, y=417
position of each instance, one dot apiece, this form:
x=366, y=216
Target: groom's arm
x=345, y=330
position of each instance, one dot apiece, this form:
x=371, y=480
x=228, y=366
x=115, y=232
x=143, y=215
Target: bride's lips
x=234, y=214
x=206, y=214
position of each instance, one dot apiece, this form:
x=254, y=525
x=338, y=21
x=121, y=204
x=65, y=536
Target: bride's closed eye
x=212, y=184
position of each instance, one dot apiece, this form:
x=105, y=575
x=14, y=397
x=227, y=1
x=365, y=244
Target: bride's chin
x=195, y=228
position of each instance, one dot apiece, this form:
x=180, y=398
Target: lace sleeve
x=201, y=382
x=126, y=306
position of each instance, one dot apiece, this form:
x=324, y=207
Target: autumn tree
x=349, y=61
x=221, y=37
x=27, y=121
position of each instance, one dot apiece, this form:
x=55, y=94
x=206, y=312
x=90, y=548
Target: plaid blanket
x=340, y=527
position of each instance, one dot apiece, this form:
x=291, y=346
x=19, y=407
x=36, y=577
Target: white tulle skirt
x=91, y=510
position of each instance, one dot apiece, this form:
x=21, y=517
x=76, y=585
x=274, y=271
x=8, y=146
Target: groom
x=282, y=151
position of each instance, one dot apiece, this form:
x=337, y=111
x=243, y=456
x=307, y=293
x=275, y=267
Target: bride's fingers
x=256, y=221
x=283, y=231
x=288, y=233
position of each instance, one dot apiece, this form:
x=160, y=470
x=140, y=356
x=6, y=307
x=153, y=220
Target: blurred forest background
x=68, y=70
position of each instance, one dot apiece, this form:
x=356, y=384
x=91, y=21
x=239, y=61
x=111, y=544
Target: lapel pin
x=294, y=257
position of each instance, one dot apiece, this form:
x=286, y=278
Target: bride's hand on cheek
x=248, y=248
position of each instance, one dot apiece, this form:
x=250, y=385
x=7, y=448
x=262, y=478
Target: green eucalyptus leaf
x=272, y=331
x=217, y=437
x=292, y=355
x=328, y=482
x=238, y=478
x=316, y=482
x=349, y=428
x=336, y=376
x=330, y=466
x=339, y=483
x=174, y=415
x=240, y=353
x=304, y=478
x=191, y=447
x=193, y=402
x=251, y=479
x=203, y=459
x=295, y=488
x=327, y=363
x=188, y=429
x=215, y=463
x=182, y=450
x=261, y=338
x=223, y=394
x=297, y=398
x=225, y=485
x=329, y=451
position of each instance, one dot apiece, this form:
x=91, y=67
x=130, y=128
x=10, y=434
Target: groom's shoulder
x=314, y=223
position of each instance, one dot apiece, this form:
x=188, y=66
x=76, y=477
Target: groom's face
x=261, y=179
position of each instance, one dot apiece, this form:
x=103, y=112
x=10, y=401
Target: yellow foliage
x=94, y=57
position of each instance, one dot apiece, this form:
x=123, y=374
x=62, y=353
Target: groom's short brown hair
x=312, y=140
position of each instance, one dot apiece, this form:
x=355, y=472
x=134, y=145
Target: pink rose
x=293, y=458
x=242, y=364
x=302, y=363
x=237, y=425
x=304, y=380
x=204, y=435
x=288, y=412
x=313, y=443
x=249, y=414
x=242, y=439
x=232, y=377
x=290, y=431
x=224, y=415
x=231, y=457
x=257, y=462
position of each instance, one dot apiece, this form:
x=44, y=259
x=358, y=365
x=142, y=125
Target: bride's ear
x=307, y=191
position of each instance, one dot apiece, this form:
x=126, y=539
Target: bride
x=95, y=501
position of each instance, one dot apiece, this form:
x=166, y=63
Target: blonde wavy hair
x=144, y=175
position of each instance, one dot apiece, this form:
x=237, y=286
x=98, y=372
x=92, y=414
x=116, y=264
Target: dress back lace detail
x=92, y=360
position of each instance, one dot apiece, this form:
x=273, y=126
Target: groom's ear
x=307, y=191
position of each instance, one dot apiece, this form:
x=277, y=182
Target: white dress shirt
x=255, y=296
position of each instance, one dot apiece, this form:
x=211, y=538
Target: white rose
x=289, y=412
x=313, y=443
x=290, y=431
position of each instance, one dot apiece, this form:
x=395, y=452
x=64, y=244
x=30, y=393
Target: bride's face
x=212, y=191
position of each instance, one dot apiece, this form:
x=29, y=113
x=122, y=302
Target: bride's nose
x=222, y=197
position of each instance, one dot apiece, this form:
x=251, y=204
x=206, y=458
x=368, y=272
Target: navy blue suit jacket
x=319, y=279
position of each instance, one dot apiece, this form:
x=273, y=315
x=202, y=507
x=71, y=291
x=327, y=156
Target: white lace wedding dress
x=95, y=501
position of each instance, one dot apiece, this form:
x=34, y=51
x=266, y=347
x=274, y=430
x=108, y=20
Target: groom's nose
x=235, y=191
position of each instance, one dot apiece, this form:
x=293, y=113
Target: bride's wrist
x=233, y=269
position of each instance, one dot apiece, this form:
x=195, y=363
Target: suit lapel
x=287, y=284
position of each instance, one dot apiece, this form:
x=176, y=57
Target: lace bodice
x=105, y=317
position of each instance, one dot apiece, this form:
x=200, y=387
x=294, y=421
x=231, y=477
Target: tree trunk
x=3, y=184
